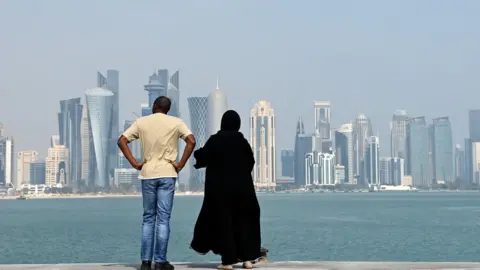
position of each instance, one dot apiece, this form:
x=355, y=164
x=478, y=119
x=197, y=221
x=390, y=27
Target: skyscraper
x=198, y=107
x=56, y=165
x=468, y=161
x=372, y=161
x=85, y=145
x=288, y=162
x=344, y=151
x=173, y=92
x=459, y=164
x=442, y=151
x=6, y=160
x=24, y=159
x=322, y=119
x=262, y=140
x=69, y=130
x=2, y=130
x=385, y=171
x=362, y=132
x=398, y=134
x=474, y=127
x=418, y=149
x=37, y=173
x=476, y=162
x=216, y=106
x=304, y=144
x=157, y=85
x=100, y=102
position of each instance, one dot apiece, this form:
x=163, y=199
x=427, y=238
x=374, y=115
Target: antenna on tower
x=218, y=88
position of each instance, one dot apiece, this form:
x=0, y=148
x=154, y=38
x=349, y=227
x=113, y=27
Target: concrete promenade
x=276, y=266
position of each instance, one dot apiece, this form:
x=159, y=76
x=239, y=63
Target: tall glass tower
x=69, y=130
x=442, y=151
x=418, y=150
x=398, y=134
x=100, y=103
x=198, y=118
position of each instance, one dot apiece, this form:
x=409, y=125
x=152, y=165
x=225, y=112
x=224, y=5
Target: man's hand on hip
x=178, y=167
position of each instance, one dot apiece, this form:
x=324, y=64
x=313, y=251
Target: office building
x=24, y=159
x=345, y=151
x=398, y=134
x=173, y=92
x=37, y=173
x=442, y=151
x=112, y=83
x=55, y=140
x=262, y=140
x=362, y=132
x=145, y=109
x=56, y=165
x=322, y=119
x=476, y=162
x=100, y=102
x=288, y=162
x=385, y=171
x=320, y=169
x=418, y=152
x=372, y=162
x=216, y=106
x=157, y=86
x=6, y=161
x=468, y=161
x=2, y=130
x=127, y=177
x=459, y=165
x=474, y=126
x=198, y=108
x=397, y=168
x=85, y=135
x=69, y=131
x=340, y=175
x=304, y=144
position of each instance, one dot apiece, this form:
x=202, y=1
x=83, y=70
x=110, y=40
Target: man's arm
x=189, y=139
x=129, y=135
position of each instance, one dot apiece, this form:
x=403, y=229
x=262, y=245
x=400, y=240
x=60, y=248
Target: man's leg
x=165, y=193
x=149, y=195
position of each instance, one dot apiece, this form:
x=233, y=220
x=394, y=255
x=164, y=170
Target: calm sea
x=344, y=227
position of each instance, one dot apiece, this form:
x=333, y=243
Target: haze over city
x=371, y=57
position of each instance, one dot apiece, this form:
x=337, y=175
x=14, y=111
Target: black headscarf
x=230, y=121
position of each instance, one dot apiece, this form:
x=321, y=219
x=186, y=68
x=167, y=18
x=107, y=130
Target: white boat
x=397, y=188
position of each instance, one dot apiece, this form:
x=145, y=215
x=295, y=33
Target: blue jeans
x=157, y=206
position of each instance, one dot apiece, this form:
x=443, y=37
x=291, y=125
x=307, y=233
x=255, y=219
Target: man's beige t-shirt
x=158, y=134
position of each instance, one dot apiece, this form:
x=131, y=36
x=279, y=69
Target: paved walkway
x=276, y=266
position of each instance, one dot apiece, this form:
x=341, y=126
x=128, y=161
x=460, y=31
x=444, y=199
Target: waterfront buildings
x=304, y=144
x=262, y=140
x=398, y=134
x=319, y=169
x=56, y=165
x=100, y=103
x=322, y=119
x=459, y=165
x=345, y=151
x=198, y=108
x=6, y=160
x=474, y=126
x=124, y=176
x=442, y=151
x=24, y=159
x=476, y=162
x=418, y=152
x=69, y=131
x=216, y=106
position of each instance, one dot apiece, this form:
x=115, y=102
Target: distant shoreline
x=91, y=196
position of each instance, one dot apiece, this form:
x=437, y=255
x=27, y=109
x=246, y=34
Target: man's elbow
x=190, y=140
x=122, y=141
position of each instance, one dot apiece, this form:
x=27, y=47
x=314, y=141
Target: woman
x=229, y=221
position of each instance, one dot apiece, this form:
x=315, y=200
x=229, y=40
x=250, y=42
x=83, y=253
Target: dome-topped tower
x=216, y=106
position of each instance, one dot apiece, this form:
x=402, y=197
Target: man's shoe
x=164, y=266
x=146, y=265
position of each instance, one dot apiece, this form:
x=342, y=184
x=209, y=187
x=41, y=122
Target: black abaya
x=229, y=221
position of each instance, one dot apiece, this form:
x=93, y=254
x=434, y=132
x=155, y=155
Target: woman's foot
x=262, y=260
x=247, y=265
x=224, y=267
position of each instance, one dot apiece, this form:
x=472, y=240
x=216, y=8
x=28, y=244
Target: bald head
x=162, y=105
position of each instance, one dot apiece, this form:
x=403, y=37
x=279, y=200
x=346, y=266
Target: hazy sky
x=370, y=57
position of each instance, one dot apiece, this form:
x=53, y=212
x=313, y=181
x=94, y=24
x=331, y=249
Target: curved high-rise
x=262, y=140
x=198, y=121
x=216, y=106
x=100, y=102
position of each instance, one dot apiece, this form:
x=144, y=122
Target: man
x=159, y=134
